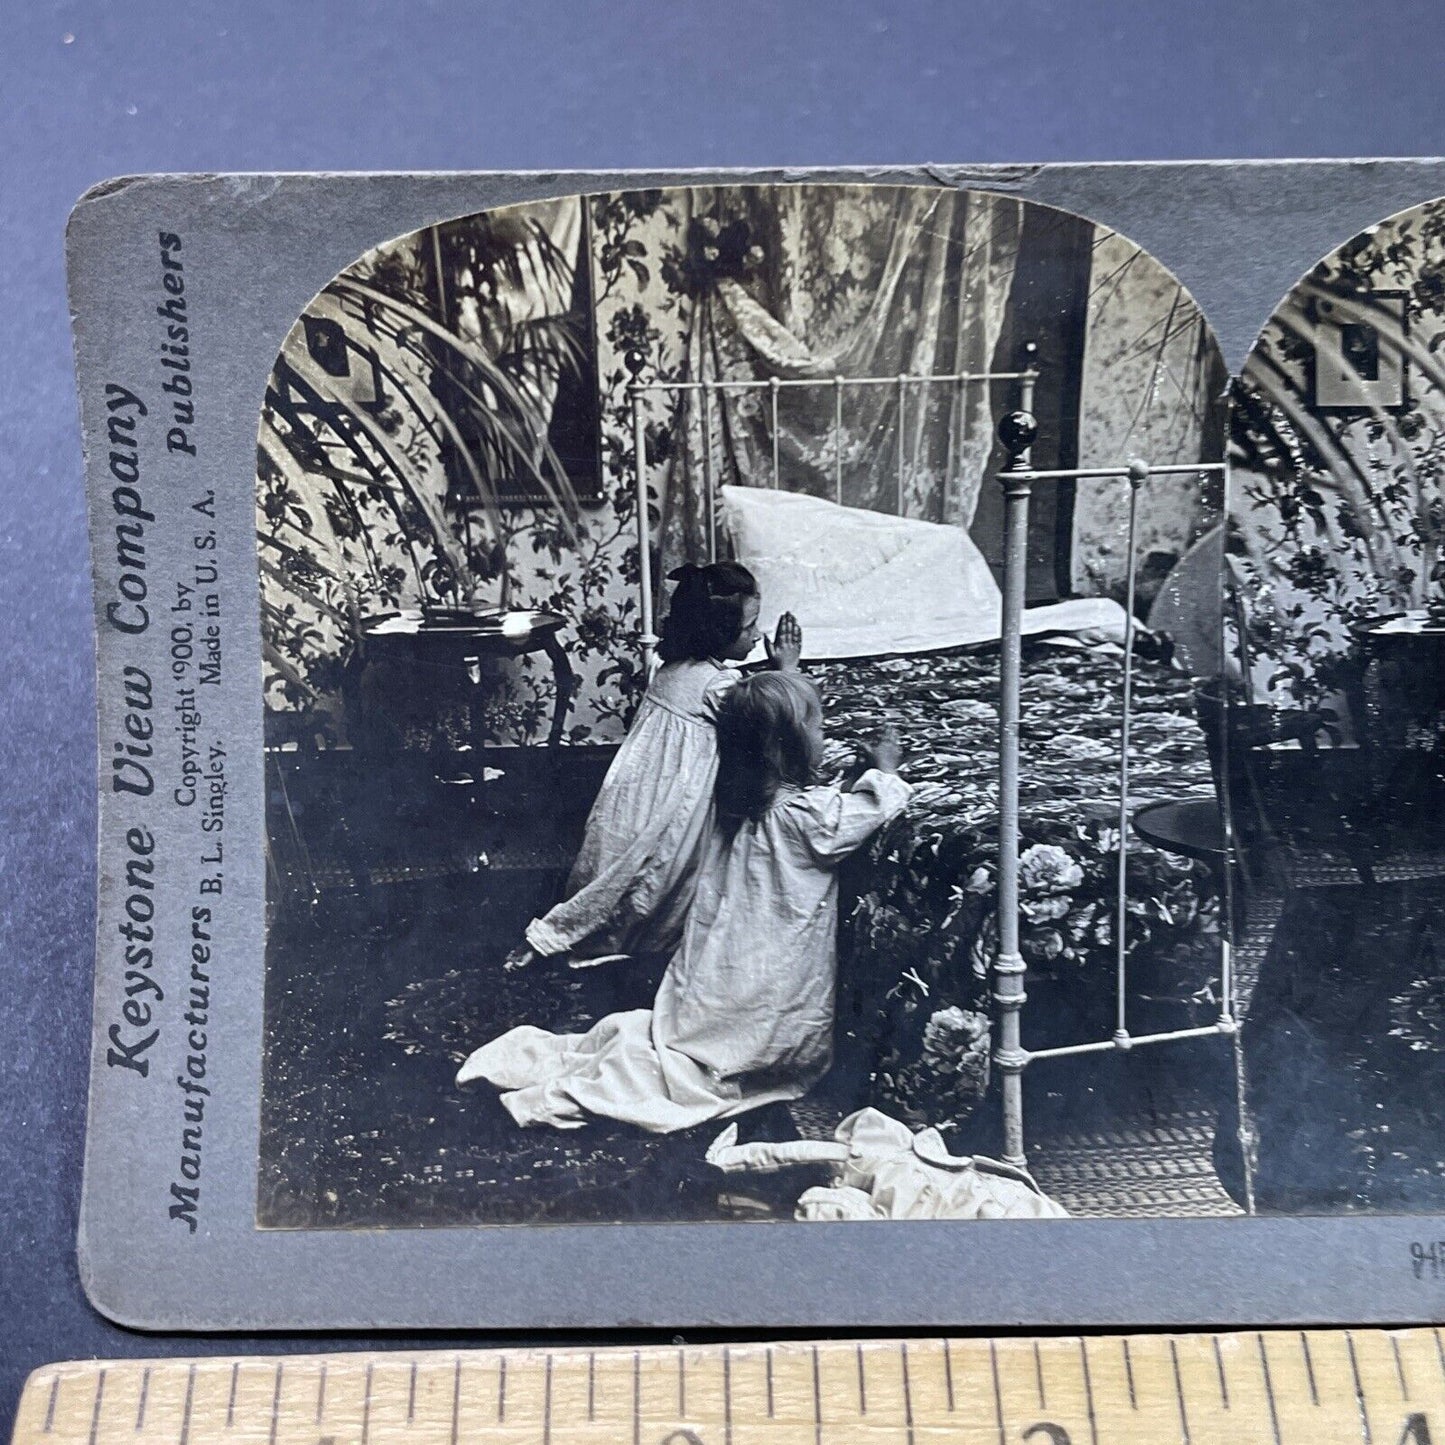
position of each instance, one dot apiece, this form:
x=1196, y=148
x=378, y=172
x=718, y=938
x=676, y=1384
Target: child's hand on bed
x=885, y=753
x=786, y=646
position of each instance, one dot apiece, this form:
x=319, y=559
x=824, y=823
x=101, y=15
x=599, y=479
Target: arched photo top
x=449, y=426
x=1338, y=441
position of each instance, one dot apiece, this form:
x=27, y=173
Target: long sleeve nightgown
x=632, y=883
x=744, y=1014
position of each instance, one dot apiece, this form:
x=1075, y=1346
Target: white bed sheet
x=864, y=584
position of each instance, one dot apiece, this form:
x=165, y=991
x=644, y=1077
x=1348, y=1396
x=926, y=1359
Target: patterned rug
x=1157, y=1167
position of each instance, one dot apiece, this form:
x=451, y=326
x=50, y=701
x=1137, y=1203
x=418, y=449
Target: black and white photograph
x=647, y=580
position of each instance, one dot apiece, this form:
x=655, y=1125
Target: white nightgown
x=631, y=886
x=744, y=1014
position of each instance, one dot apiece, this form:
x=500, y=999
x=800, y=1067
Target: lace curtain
x=809, y=284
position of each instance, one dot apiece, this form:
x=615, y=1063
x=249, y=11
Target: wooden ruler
x=1361, y=1387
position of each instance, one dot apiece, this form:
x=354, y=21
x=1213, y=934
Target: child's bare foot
x=786, y=645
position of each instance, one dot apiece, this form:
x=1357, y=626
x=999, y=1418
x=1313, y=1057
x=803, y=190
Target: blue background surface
x=90, y=91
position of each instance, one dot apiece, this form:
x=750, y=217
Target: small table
x=1191, y=827
x=1405, y=679
x=1398, y=698
x=459, y=641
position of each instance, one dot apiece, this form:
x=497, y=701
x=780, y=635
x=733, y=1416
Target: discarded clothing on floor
x=882, y=1170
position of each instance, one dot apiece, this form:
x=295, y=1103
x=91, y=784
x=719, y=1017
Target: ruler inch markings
x=817, y=1401
x=997, y=1393
x=145, y=1389
x=366, y=1405
x=1304, y=1340
x=727, y=1396
x=1359, y=1389
x=1324, y=1387
x=1219, y=1370
x=456, y=1397
x=907, y=1389
x=1268, y=1389
x=1179, y=1392
x=275, y=1404
x=187, y=1407
x=95, y=1408
x=1089, y=1391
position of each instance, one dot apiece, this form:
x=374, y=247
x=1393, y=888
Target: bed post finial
x=1017, y=431
x=647, y=636
x=1028, y=375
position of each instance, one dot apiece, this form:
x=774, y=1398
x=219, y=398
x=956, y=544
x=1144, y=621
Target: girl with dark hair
x=714, y=610
x=631, y=885
x=744, y=1014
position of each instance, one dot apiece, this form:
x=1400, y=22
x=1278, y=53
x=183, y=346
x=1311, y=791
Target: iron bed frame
x=1017, y=431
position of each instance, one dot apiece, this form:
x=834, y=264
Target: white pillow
x=865, y=584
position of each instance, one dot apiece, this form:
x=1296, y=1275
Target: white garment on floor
x=631, y=886
x=881, y=1170
x=744, y=1014
x=866, y=584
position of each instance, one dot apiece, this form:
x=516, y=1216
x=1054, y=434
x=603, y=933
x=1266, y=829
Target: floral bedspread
x=919, y=923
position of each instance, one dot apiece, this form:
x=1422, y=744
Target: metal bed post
x=708, y=490
x=1228, y=1005
x=902, y=398
x=838, y=440
x=1137, y=474
x=1017, y=431
x=773, y=388
x=644, y=535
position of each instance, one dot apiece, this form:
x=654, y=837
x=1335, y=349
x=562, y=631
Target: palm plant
x=463, y=406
